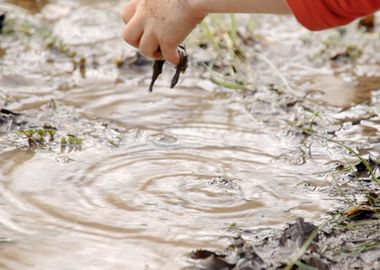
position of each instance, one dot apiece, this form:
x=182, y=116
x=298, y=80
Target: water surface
x=159, y=174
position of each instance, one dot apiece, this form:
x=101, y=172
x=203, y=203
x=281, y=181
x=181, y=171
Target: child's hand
x=157, y=27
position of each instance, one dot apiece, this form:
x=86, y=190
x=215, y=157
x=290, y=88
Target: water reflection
x=340, y=92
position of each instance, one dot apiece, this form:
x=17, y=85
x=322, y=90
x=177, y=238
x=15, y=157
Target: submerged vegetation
x=45, y=136
x=36, y=137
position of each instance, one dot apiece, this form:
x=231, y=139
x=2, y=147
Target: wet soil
x=139, y=180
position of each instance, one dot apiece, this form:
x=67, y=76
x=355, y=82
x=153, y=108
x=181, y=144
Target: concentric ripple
x=193, y=167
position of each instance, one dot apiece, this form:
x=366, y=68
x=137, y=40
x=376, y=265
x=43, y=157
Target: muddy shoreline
x=265, y=156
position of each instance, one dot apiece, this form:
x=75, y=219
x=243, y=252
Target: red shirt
x=323, y=14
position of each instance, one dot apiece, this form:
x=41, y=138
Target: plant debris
x=349, y=54
x=243, y=255
x=334, y=241
x=239, y=255
x=360, y=212
x=350, y=239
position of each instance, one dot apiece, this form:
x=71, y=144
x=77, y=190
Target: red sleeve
x=323, y=14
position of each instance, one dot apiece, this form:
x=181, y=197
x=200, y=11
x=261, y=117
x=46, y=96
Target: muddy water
x=158, y=174
x=187, y=168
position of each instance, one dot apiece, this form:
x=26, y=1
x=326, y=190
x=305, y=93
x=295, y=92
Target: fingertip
x=149, y=46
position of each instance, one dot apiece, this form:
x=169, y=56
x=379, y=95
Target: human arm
x=157, y=27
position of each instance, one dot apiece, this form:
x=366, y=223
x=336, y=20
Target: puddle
x=159, y=174
x=193, y=167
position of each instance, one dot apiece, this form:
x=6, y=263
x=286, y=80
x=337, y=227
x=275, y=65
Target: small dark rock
x=216, y=263
x=247, y=257
x=3, y=120
x=7, y=116
x=10, y=120
x=2, y=19
x=316, y=262
x=202, y=254
x=203, y=45
x=361, y=170
x=298, y=232
x=8, y=112
x=361, y=167
x=209, y=260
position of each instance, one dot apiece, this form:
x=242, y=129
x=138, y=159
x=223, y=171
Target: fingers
x=129, y=11
x=141, y=35
x=169, y=52
x=149, y=46
x=133, y=32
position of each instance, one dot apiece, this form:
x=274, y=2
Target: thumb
x=170, y=53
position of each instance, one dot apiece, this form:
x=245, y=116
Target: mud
x=138, y=180
x=348, y=240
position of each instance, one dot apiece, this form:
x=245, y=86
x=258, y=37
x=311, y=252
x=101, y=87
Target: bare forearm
x=157, y=27
x=243, y=6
